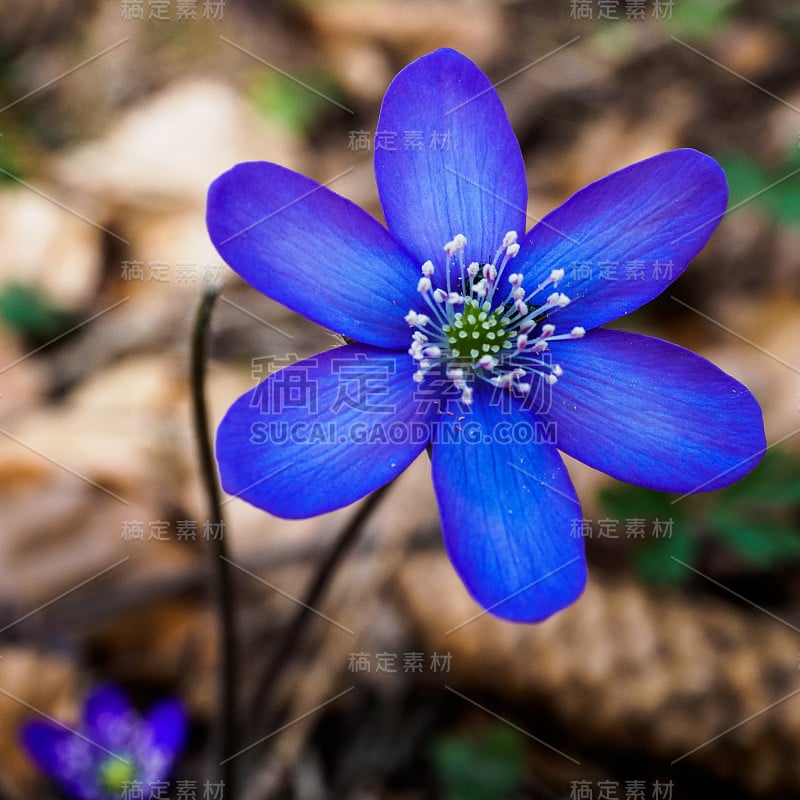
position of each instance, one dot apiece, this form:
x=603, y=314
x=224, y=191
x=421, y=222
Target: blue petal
x=508, y=513
x=45, y=742
x=41, y=740
x=469, y=180
x=651, y=413
x=323, y=432
x=168, y=724
x=314, y=251
x=102, y=710
x=623, y=239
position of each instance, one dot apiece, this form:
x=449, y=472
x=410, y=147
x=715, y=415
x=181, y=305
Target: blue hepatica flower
x=478, y=339
x=113, y=752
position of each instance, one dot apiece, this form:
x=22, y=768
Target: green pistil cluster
x=117, y=774
x=477, y=331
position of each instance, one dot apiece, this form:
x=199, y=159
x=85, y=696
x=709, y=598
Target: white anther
x=418, y=376
x=423, y=285
x=412, y=318
x=466, y=395
x=577, y=332
x=524, y=388
x=509, y=239
x=481, y=288
x=515, y=279
x=562, y=301
x=521, y=306
x=490, y=272
x=488, y=362
x=434, y=352
x=455, y=299
x=473, y=269
x=455, y=373
x=551, y=379
x=418, y=336
x=459, y=242
x=547, y=330
x=522, y=340
x=512, y=250
x=439, y=295
x=556, y=275
x=427, y=269
x=557, y=371
x=519, y=293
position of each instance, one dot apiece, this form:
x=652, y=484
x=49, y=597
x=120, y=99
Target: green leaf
x=30, y=315
x=624, y=501
x=292, y=104
x=774, y=482
x=762, y=542
x=655, y=558
x=746, y=178
x=488, y=767
x=699, y=19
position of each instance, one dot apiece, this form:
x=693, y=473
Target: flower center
x=116, y=774
x=471, y=334
x=477, y=331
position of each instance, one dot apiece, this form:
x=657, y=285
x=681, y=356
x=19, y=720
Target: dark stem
x=220, y=571
x=287, y=641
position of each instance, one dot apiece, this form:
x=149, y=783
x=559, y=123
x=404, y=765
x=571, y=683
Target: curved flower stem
x=220, y=571
x=292, y=633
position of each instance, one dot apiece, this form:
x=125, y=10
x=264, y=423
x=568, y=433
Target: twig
x=292, y=633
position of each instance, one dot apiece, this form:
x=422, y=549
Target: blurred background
x=677, y=672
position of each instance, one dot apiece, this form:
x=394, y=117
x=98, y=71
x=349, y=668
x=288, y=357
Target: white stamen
x=459, y=242
x=412, y=318
x=474, y=333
